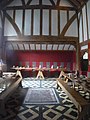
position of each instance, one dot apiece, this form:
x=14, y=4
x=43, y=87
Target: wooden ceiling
x=32, y=46
x=23, y=45
x=77, y=4
x=48, y=43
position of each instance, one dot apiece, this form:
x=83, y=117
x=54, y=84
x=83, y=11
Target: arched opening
x=84, y=62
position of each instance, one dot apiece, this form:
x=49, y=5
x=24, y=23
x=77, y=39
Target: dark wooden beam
x=49, y=22
x=82, y=25
x=40, y=46
x=44, y=40
x=68, y=24
x=12, y=46
x=35, y=46
x=29, y=47
x=24, y=46
x=29, y=1
x=69, y=47
x=40, y=22
x=18, y=46
x=1, y=16
x=58, y=2
x=55, y=7
x=58, y=22
x=40, y=3
x=13, y=24
x=87, y=21
x=23, y=22
x=80, y=1
x=63, y=47
x=5, y=3
x=23, y=2
x=58, y=47
x=84, y=43
x=46, y=46
x=73, y=4
x=67, y=15
x=32, y=17
x=14, y=15
x=53, y=3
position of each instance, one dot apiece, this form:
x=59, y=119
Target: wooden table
x=38, y=72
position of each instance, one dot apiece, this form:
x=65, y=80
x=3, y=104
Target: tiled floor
x=16, y=110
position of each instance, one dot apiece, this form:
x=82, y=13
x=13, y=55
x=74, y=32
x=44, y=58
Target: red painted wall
x=88, y=56
x=42, y=56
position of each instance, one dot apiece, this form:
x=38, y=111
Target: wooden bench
x=9, y=91
x=81, y=104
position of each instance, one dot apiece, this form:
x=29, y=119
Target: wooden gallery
x=44, y=60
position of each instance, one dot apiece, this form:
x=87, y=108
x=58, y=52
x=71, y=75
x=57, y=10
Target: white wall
x=65, y=3
x=36, y=26
x=80, y=30
x=88, y=9
x=45, y=22
x=73, y=29
x=18, y=19
x=27, y=27
x=63, y=19
x=9, y=30
x=54, y=23
x=84, y=31
x=0, y=22
x=84, y=23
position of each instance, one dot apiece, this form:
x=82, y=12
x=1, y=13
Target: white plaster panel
x=65, y=3
x=15, y=3
x=71, y=13
x=8, y=29
x=45, y=22
x=10, y=13
x=84, y=23
x=0, y=22
x=80, y=30
x=27, y=29
x=88, y=12
x=73, y=29
x=54, y=23
x=63, y=19
x=46, y=2
x=18, y=19
x=34, y=2
x=36, y=26
x=84, y=47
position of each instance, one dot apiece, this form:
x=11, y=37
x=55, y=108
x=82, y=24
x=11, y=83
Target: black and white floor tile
x=36, y=83
x=16, y=110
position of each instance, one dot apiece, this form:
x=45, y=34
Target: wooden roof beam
x=23, y=2
x=73, y=4
x=53, y=3
x=39, y=7
x=29, y=1
x=4, y=3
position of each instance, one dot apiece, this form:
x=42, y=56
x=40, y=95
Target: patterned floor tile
x=16, y=110
x=47, y=83
x=30, y=113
